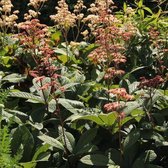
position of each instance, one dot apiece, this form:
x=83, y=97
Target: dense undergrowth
x=99, y=100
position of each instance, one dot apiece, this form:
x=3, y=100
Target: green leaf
x=14, y=78
x=7, y=116
x=141, y=13
x=133, y=87
x=22, y=136
x=130, y=106
x=28, y=164
x=41, y=150
x=140, y=3
x=52, y=106
x=158, y=138
x=124, y=7
x=131, y=154
x=148, y=9
x=69, y=85
x=96, y=160
x=113, y=166
x=63, y=58
x=150, y=156
x=71, y=105
x=44, y=94
x=70, y=141
x=37, y=113
x=85, y=141
x=101, y=119
x=144, y=159
x=51, y=141
x=131, y=139
x=6, y=61
x=38, y=126
x=25, y=95
x=137, y=114
x=114, y=155
x=56, y=36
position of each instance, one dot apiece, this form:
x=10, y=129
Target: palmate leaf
x=26, y=95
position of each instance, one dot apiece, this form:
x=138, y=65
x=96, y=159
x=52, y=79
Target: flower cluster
x=6, y=6
x=114, y=106
x=7, y=17
x=112, y=72
x=121, y=93
x=151, y=83
x=78, y=8
x=33, y=35
x=64, y=18
x=37, y=5
x=35, y=41
x=110, y=38
x=154, y=37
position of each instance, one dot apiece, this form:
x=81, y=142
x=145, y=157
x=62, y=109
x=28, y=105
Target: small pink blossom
x=109, y=107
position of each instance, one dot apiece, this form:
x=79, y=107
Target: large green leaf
x=28, y=164
x=22, y=136
x=74, y=103
x=52, y=105
x=7, y=116
x=96, y=160
x=14, y=78
x=38, y=156
x=85, y=141
x=15, y=115
x=137, y=114
x=38, y=112
x=157, y=137
x=100, y=119
x=115, y=155
x=38, y=84
x=130, y=106
x=131, y=139
x=51, y=141
x=70, y=141
x=70, y=105
x=144, y=159
x=6, y=61
x=26, y=95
